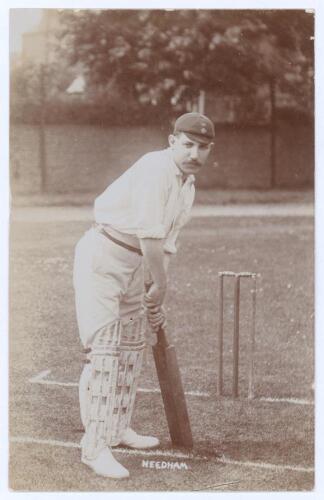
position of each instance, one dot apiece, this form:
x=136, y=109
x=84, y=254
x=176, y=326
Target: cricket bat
x=172, y=391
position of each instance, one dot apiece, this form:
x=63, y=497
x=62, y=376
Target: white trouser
x=108, y=282
x=109, y=285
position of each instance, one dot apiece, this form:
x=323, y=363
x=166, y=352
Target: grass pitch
x=239, y=445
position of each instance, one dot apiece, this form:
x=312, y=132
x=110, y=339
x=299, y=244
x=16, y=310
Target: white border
x=219, y=4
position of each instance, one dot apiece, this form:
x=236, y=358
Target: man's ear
x=171, y=140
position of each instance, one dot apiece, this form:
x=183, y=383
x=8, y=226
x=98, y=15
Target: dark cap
x=196, y=126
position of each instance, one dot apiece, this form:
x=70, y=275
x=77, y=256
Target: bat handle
x=147, y=285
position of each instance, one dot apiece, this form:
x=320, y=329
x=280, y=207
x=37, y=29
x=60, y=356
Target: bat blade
x=172, y=392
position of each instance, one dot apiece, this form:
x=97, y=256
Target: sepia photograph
x=161, y=253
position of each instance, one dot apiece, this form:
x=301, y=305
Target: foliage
x=164, y=58
x=142, y=66
x=36, y=90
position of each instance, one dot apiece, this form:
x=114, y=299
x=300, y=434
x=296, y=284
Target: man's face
x=189, y=155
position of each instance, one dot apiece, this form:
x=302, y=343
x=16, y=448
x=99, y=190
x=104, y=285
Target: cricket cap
x=196, y=126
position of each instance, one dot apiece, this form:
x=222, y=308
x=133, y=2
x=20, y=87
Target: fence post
x=273, y=133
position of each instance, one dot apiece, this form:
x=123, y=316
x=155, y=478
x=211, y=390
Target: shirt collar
x=189, y=180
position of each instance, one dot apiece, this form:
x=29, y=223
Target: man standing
x=137, y=221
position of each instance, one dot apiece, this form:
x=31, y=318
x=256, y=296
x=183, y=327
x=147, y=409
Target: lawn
x=240, y=445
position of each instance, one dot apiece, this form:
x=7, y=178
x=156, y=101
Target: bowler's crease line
x=40, y=379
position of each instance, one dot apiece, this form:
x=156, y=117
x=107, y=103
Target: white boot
x=133, y=440
x=106, y=465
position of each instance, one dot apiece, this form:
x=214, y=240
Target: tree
x=164, y=58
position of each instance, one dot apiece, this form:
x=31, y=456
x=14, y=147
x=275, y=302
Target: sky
x=22, y=21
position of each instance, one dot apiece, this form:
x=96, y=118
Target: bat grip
x=147, y=285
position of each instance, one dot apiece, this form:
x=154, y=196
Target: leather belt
x=118, y=242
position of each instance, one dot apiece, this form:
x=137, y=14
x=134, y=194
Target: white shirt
x=149, y=200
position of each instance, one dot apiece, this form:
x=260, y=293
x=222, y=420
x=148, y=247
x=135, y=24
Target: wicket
x=236, y=333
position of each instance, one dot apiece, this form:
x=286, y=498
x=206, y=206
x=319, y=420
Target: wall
x=86, y=158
